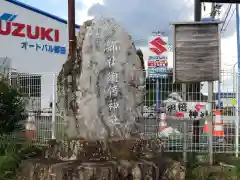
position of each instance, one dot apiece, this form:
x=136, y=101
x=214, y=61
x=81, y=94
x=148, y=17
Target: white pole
x=236, y=108
x=236, y=118
x=235, y=92
x=54, y=107
x=234, y=82
x=238, y=83
x=234, y=77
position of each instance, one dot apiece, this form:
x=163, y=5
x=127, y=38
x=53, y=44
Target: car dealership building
x=33, y=42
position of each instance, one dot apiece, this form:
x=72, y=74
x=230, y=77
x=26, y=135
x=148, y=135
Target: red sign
x=179, y=114
x=163, y=63
x=158, y=44
x=29, y=31
x=198, y=107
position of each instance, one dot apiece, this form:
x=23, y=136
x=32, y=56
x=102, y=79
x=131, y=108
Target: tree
x=12, y=109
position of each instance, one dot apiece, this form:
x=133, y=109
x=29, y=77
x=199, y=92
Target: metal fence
x=160, y=94
x=38, y=90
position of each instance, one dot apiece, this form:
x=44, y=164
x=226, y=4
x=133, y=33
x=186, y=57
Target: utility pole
x=214, y=10
x=71, y=28
x=210, y=101
x=238, y=81
x=196, y=123
x=197, y=10
x=71, y=76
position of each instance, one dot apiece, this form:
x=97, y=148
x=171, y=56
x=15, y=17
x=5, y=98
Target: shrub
x=12, y=116
x=12, y=109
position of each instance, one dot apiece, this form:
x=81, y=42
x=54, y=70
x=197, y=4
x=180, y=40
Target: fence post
x=210, y=122
x=157, y=96
x=54, y=107
x=184, y=96
x=236, y=118
x=185, y=141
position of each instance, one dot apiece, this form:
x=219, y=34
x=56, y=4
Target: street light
x=234, y=73
x=234, y=91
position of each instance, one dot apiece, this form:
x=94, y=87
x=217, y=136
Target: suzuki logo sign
x=158, y=46
x=9, y=27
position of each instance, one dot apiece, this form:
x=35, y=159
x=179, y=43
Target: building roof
x=49, y=15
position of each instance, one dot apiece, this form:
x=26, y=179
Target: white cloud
x=82, y=12
x=89, y=3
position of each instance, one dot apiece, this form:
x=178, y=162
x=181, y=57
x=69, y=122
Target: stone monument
x=110, y=89
x=100, y=96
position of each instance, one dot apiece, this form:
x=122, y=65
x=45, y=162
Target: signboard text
x=158, y=63
x=29, y=31
x=188, y=109
x=157, y=58
x=44, y=47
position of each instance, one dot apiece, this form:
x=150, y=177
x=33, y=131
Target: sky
x=141, y=17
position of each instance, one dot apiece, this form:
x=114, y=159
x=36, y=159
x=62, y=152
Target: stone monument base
x=42, y=169
x=135, y=159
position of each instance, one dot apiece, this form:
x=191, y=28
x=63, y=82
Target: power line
x=227, y=14
x=229, y=21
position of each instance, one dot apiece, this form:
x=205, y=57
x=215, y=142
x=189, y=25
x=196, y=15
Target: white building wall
x=30, y=60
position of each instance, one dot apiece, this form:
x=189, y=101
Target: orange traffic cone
x=205, y=127
x=218, y=129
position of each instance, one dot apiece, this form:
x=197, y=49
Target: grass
x=12, y=153
x=201, y=170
